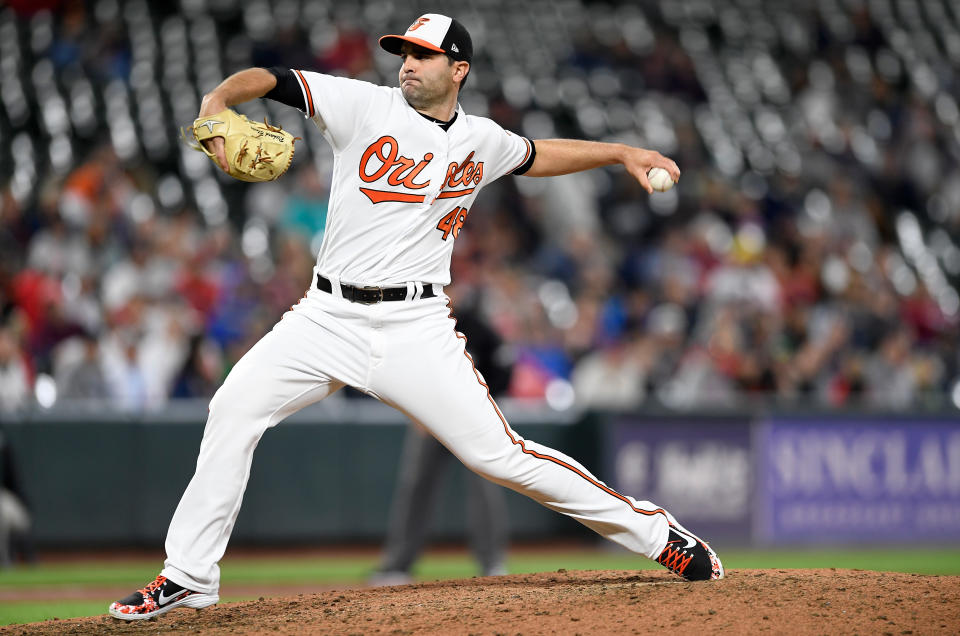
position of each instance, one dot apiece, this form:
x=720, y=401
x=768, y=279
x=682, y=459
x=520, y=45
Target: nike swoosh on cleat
x=163, y=600
x=690, y=540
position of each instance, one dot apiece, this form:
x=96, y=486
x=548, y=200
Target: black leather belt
x=371, y=295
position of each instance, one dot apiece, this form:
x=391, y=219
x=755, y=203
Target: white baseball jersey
x=400, y=181
x=402, y=186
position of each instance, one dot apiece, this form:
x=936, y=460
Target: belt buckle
x=371, y=301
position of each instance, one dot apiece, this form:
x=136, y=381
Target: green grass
x=31, y=612
x=350, y=570
x=242, y=571
x=926, y=561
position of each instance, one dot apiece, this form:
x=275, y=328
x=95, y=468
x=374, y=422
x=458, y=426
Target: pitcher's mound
x=584, y=602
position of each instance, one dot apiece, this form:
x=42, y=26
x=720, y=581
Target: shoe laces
x=152, y=586
x=674, y=560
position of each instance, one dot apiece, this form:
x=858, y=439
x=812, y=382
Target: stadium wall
x=326, y=475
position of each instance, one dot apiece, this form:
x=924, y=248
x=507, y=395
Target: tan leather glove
x=255, y=151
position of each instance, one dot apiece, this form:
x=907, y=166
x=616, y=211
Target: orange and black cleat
x=689, y=556
x=159, y=597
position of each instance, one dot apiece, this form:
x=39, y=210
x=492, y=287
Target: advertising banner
x=855, y=481
x=701, y=471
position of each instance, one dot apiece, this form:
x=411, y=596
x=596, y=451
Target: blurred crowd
x=808, y=256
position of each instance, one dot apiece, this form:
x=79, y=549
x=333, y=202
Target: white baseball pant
x=407, y=354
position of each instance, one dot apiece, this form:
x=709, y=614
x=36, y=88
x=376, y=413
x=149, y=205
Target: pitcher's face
x=426, y=77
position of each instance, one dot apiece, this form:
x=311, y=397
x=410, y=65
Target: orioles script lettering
x=383, y=158
x=387, y=152
x=464, y=173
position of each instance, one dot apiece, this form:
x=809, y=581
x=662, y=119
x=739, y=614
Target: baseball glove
x=255, y=151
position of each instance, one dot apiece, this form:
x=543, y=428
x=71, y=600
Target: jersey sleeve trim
x=307, y=95
x=287, y=90
x=527, y=160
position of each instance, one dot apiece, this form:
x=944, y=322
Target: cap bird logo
x=419, y=23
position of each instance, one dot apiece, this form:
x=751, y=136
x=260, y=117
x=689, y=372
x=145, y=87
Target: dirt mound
x=586, y=602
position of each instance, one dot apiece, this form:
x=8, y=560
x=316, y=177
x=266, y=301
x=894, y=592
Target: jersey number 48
x=452, y=222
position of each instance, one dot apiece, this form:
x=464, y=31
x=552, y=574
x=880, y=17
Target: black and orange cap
x=435, y=32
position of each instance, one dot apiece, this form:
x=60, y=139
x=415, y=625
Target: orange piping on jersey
x=524, y=449
x=306, y=89
x=299, y=301
x=379, y=196
x=453, y=194
x=525, y=157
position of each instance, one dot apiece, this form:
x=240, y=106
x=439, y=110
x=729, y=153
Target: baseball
x=659, y=179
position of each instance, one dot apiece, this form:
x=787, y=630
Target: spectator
x=83, y=379
x=126, y=381
x=817, y=213
x=613, y=377
x=14, y=374
x=202, y=371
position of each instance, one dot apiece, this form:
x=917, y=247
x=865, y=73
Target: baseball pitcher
x=409, y=163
